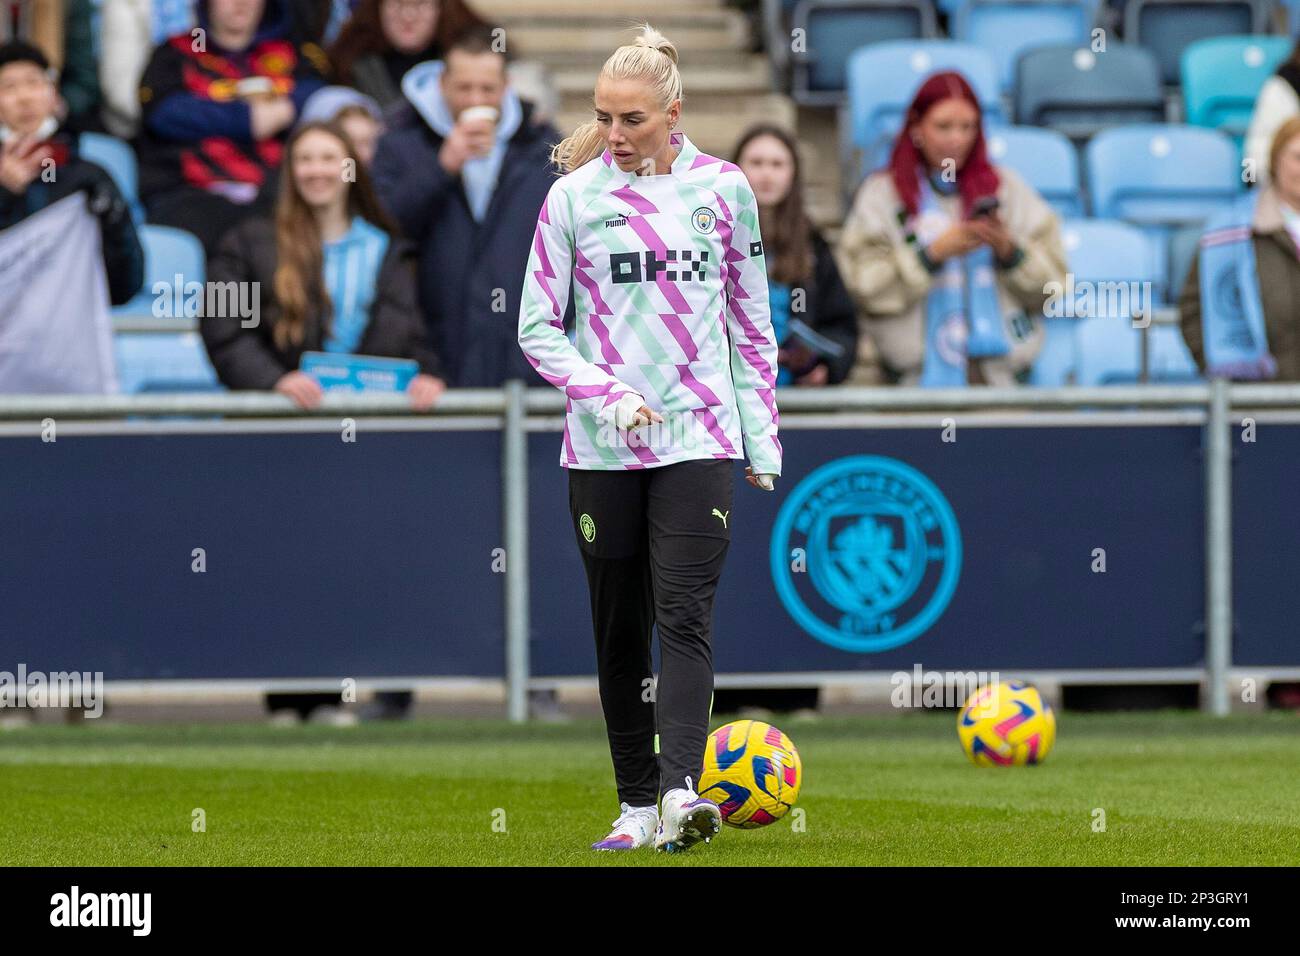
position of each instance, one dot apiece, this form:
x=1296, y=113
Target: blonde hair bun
x=652, y=38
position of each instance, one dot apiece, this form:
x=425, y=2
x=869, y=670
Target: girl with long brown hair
x=813, y=316
x=331, y=273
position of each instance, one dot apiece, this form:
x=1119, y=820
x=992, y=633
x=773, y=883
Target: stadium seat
x=833, y=29
x=950, y=7
x=164, y=361
x=1045, y=159
x=1108, y=346
x=1168, y=27
x=1007, y=28
x=1161, y=176
x=1078, y=92
x=1111, y=355
x=1222, y=76
x=883, y=78
x=1161, y=173
x=1100, y=253
x=168, y=253
x=118, y=160
x=1169, y=360
x=1056, y=364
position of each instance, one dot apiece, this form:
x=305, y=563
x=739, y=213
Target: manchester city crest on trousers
x=881, y=553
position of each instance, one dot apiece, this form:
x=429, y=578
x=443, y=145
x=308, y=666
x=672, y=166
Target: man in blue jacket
x=466, y=186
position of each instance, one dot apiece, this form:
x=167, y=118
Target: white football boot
x=687, y=818
x=634, y=828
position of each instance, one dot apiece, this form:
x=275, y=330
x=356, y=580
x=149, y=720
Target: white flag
x=56, y=336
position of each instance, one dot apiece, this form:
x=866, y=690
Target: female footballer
x=671, y=375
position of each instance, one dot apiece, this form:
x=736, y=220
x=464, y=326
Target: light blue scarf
x=778, y=297
x=351, y=269
x=962, y=314
x=479, y=174
x=1236, y=345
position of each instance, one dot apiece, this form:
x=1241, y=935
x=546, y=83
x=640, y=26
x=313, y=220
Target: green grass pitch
x=1176, y=788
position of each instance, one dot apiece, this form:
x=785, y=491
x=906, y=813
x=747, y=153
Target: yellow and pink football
x=752, y=772
x=1006, y=725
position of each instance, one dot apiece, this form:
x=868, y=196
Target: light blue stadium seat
x=166, y=361
x=1108, y=346
x=1168, y=27
x=1057, y=362
x=168, y=253
x=950, y=7
x=1161, y=176
x=833, y=29
x=1089, y=342
x=1078, y=92
x=118, y=160
x=163, y=362
x=1222, y=76
x=1045, y=159
x=1170, y=360
x=883, y=78
x=1007, y=28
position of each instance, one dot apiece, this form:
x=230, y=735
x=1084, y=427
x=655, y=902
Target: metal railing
x=516, y=407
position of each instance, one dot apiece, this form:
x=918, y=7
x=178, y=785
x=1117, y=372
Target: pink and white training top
x=671, y=302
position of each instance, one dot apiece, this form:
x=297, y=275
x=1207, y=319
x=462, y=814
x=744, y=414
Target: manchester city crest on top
x=881, y=553
x=704, y=219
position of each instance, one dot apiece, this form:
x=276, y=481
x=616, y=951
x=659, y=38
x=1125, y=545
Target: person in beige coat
x=896, y=244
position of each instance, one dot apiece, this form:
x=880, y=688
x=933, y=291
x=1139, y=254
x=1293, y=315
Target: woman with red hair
x=948, y=255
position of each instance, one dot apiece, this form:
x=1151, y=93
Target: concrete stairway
x=727, y=87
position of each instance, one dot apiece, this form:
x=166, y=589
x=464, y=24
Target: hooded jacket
x=470, y=267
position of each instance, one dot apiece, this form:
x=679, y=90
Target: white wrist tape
x=625, y=410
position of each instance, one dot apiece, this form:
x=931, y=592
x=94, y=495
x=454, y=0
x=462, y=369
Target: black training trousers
x=653, y=541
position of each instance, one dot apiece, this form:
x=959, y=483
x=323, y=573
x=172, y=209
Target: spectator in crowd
x=385, y=38
x=333, y=276
x=464, y=171
x=803, y=280
x=62, y=30
x=358, y=114
x=39, y=165
x=130, y=29
x=216, y=111
x=948, y=255
x=1248, y=327
x=1278, y=101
